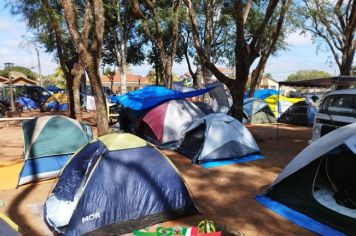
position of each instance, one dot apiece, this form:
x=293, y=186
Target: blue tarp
x=264, y=93
x=151, y=96
x=58, y=107
x=54, y=88
x=248, y=158
x=298, y=218
x=27, y=103
x=113, y=98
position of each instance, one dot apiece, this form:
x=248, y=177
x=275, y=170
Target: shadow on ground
x=224, y=194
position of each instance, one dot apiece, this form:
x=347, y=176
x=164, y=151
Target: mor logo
x=91, y=217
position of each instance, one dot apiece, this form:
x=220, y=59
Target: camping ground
x=224, y=194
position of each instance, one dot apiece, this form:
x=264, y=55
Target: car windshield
x=339, y=105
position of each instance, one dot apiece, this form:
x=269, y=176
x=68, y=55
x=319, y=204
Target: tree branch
x=175, y=6
x=318, y=32
x=242, y=48
x=202, y=57
x=135, y=7
x=99, y=20
x=338, y=13
x=277, y=30
x=71, y=19
x=337, y=41
x=247, y=10
x=256, y=40
x=87, y=22
x=58, y=35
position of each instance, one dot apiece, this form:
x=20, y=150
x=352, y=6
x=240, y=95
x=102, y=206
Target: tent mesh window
x=147, y=133
x=310, y=190
x=193, y=143
x=296, y=114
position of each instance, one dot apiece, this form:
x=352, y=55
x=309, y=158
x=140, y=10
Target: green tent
x=49, y=141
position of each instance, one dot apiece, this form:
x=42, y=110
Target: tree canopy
x=332, y=23
x=307, y=74
x=29, y=73
x=57, y=78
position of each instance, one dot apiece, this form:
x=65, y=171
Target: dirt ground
x=224, y=194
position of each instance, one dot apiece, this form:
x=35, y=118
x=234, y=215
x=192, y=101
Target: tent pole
x=278, y=94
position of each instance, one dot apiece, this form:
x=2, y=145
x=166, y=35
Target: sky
x=301, y=55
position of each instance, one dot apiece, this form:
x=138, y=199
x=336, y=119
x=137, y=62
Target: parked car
x=337, y=109
x=36, y=93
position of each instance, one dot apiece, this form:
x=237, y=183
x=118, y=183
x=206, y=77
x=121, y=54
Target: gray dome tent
x=317, y=189
x=257, y=111
x=216, y=137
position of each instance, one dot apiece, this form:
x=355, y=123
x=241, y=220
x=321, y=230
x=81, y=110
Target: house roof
x=322, y=82
x=130, y=78
x=25, y=80
x=3, y=79
x=17, y=77
x=225, y=70
x=271, y=79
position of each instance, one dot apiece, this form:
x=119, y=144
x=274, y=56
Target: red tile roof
x=129, y=78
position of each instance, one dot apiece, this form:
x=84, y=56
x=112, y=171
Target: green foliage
x=221, y=32
x=307, y=74
x=268, y=75
x=152, y=77
x=331, y=25
x=109, y=71
x=57, y=78
x=135, y=42
x=40, y=25
x=206, y=226
x=254, y=20
x=29, y=73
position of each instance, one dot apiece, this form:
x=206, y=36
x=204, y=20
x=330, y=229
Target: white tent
x=317, y=189
x=216, y=137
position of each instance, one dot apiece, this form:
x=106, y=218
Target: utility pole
x=9, y=66
x=39, y=66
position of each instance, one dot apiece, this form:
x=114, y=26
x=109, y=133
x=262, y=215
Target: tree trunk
x=122, y=67
x=345, y=67
x=346, y=64
x=123, y=42
x=69, y=88
x=237, y=91
x=246, y=51
x=195, y=80
x=256, y=77
x=100, y=102
x=208, y=37
x=90, y=54
x=156, y=73
x=168, y=75
x=77, y=73
x=194, y=75
x=206, y=73
x=66, y=71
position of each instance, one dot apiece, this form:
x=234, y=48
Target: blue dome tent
x=117, y=183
